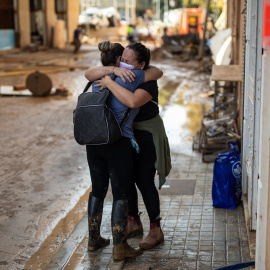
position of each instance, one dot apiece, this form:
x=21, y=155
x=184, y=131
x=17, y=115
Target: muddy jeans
x=112, y=161
x=144, y=174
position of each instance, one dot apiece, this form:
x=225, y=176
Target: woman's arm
x=94, y=73
x=152, y=73
x=132, y=100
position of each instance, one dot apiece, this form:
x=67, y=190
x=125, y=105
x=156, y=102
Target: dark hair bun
x=105, y=46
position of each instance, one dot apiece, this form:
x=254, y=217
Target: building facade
x=254, y=114
x=24, y=22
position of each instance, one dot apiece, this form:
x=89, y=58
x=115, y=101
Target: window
x=35, y=5
x=60, y=6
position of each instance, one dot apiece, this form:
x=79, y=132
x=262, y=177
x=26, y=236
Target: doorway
x=37, y=22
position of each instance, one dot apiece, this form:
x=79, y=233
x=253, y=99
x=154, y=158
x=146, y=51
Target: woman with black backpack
x=114, y=161
x=150, y=135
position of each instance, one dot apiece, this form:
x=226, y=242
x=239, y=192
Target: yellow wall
x=23, y=11
x=24, y=22
x=73, y=11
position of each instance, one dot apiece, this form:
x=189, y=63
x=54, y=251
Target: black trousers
x=112, y=162
x=77, y=44
x=143, y=176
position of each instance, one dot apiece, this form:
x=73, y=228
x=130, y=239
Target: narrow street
x=45, y=179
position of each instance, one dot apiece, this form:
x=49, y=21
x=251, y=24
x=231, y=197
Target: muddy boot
x=121, y=249
x=134, y=226
x=95, y=209
x=154, y=237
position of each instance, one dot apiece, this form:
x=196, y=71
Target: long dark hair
x=143, y=53
x=110, y=52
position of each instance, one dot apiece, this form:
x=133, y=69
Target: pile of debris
x=185, y=48
x=214, y=137
x=177, y=44
x=218, y=127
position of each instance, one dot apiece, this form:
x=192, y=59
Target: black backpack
x=94, y=122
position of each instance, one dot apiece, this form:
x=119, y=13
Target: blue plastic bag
x=227, y=188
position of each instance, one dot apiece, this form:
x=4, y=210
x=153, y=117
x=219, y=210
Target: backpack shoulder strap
x=126, y=113
x=87, y=87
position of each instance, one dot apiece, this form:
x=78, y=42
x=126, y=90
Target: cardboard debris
x=9, y=91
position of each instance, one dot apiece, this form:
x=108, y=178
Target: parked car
x=93, y=17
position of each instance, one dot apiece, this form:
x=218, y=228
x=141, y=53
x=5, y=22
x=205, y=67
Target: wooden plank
x=209, y=158
x=27, y=72
x=214, y=146
x=212, y=156
x=221, y=139
x=41, y=68
x=46, y=70
x=228, y=73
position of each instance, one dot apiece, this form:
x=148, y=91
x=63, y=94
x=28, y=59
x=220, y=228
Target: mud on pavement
x=44, y=171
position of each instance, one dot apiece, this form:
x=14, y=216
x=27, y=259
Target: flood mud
x=44, y=172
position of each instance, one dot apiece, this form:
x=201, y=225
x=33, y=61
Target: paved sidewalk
x=197, y=236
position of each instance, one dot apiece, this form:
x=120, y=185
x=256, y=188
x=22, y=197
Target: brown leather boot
x=154, y=237
x=95, y=209
x=122, y=251
x=134, y=226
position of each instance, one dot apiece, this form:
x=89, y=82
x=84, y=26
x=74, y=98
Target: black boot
x=95, y=209
x=121, y=249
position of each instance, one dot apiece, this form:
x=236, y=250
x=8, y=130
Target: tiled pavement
x=197, y=236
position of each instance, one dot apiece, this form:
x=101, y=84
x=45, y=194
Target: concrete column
x=133, y=11
x=24, y=23
x=73, y=12
x=263, y=211
x=241, y=63
x=50, y=20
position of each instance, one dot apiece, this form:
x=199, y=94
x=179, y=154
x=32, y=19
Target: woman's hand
x=103, y=82
x=124, y=73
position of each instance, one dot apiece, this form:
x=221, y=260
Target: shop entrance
x=37, y=21
x=7, y=32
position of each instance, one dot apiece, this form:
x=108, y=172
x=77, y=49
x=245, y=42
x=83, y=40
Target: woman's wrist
x=113, y=69
x=109, y=82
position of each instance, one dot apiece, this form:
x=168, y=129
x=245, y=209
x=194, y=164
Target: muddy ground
x=43, y=171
